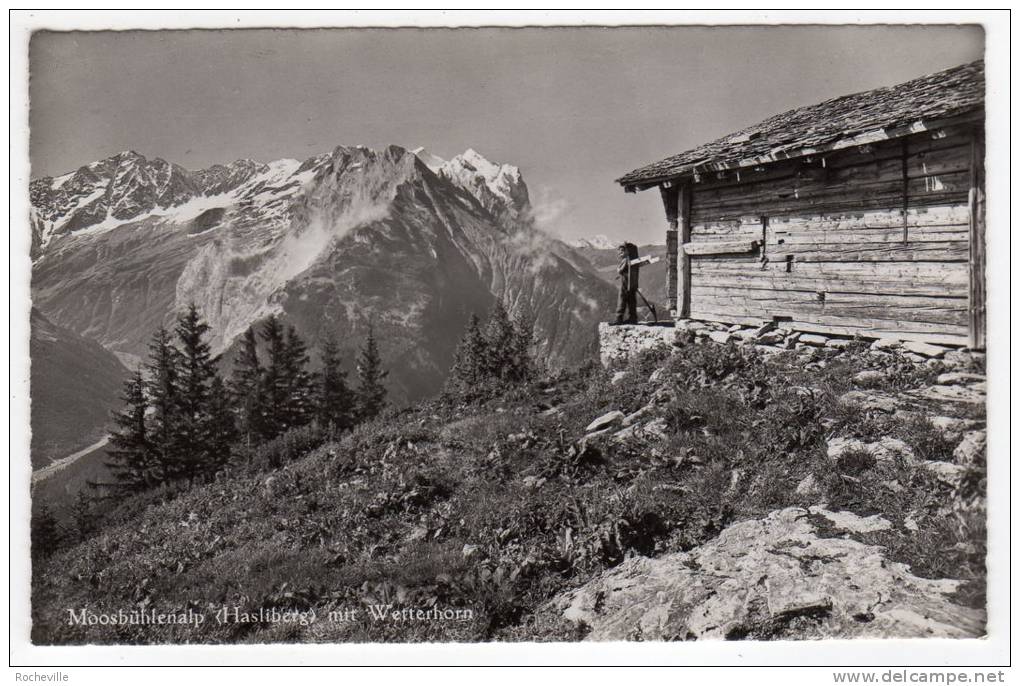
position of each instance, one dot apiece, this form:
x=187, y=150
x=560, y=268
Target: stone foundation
x=618, y=343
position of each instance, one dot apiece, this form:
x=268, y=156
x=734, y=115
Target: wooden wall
x=874, y=240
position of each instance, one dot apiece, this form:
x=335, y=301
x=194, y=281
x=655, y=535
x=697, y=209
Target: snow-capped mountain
x=598, y=242
x=334, y=243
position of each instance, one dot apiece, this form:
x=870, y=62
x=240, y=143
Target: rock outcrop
x=793, y=574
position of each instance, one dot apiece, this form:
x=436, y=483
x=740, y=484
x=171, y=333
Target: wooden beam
x=670, y=199
x=976, y=305
x=720, y=247
x=684, y=237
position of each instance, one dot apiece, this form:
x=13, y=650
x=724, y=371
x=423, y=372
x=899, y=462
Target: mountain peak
x=433, y=162
x=599, y=242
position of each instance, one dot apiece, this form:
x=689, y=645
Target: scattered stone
x=926, y=349
x=963, y=359
x=838, y=343
x=733, y=329
x=775, y=576
x=771, y=338
x=959, y=394
x=910, y=524
x=638, y=415
x=618, y=377
x=533, y=482
x=418, y=533
x=809, y=487
x=848, y=521
x=764, y=329
x=656, y=376
x=653, y=430
x=971, y=449
x=793, y=339
x=886, y=448
x=952, y=425
x=720, y=336
x=605, y=421
x=957, y=378
x=869, y=378
x=870, y=401
x=471, y=551
x=947, y=472
x=813, y=339
x=886, y=344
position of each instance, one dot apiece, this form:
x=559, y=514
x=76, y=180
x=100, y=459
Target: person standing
x=626, y=308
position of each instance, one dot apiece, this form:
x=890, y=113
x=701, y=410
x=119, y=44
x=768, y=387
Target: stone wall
x=618, y=343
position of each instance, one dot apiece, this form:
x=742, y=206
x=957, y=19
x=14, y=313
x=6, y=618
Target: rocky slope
x=334, y=244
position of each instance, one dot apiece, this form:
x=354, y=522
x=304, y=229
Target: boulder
x=778, y=577
x=638, y=415
x=720, y=336
x=886, y=344
x=971, y=449
x=771, y=338
x=809, y=487
x=471, y=551
x=947, y=472
x=618, y=377
x=870, y=401
x=925, y=349
x=959, y=378
x=956, y=394
x=886, y=448
x=813, y=339
x=605, y=421
x=869, y=378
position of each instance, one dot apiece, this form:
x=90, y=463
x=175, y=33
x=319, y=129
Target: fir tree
x=45, y=533
x=500, y=344
x=195, y=374
x=470, y=358
x=298, y=407
x=164, y=398
x=523, y=366
x=133, y=462
x=246, y=390
x=275, y=387
x=221, y=428
x=82, y=517
x=335, y=401
x=371, y=391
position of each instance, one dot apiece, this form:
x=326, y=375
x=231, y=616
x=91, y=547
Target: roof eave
x=860, y=138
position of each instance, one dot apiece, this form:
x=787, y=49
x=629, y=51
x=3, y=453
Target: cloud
x=548, y=208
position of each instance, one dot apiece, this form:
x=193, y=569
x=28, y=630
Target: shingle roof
x=855, y=119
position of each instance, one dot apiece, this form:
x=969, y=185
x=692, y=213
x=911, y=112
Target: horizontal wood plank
x=719, y=247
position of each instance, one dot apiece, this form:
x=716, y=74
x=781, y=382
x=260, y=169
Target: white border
x=993, y=650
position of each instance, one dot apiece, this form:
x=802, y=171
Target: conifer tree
x=335, y=401
x=45, y=532
x=246, y=391
x=221, y=427
x=82, y=517
x=164, y=398
x=469, y=360
x=500, y=344
x=523, y=363
x=195, y=374
x=298, y=408
x=275, y=387
x=133, y=461
x=371, y=391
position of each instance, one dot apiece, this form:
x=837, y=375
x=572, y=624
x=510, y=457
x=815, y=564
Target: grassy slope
x=383, y=516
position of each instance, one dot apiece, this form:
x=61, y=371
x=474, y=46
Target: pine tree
x=470, y=358
x=133, y=461
x=275, y=387
x=371, y=391
x=82, y=517
x=164, y=398
x=500, y=344
x=221, y=427
x=45, y=533
x=298, y=407
x=246, y=391
x=195, y=375
x=523, y=366
x=335, y=401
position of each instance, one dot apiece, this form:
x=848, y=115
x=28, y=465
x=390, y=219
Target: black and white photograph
x=433, y=334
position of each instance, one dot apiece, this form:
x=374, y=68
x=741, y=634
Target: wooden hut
x=862, y=215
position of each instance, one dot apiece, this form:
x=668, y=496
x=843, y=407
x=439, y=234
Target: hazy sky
x=573, y=108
